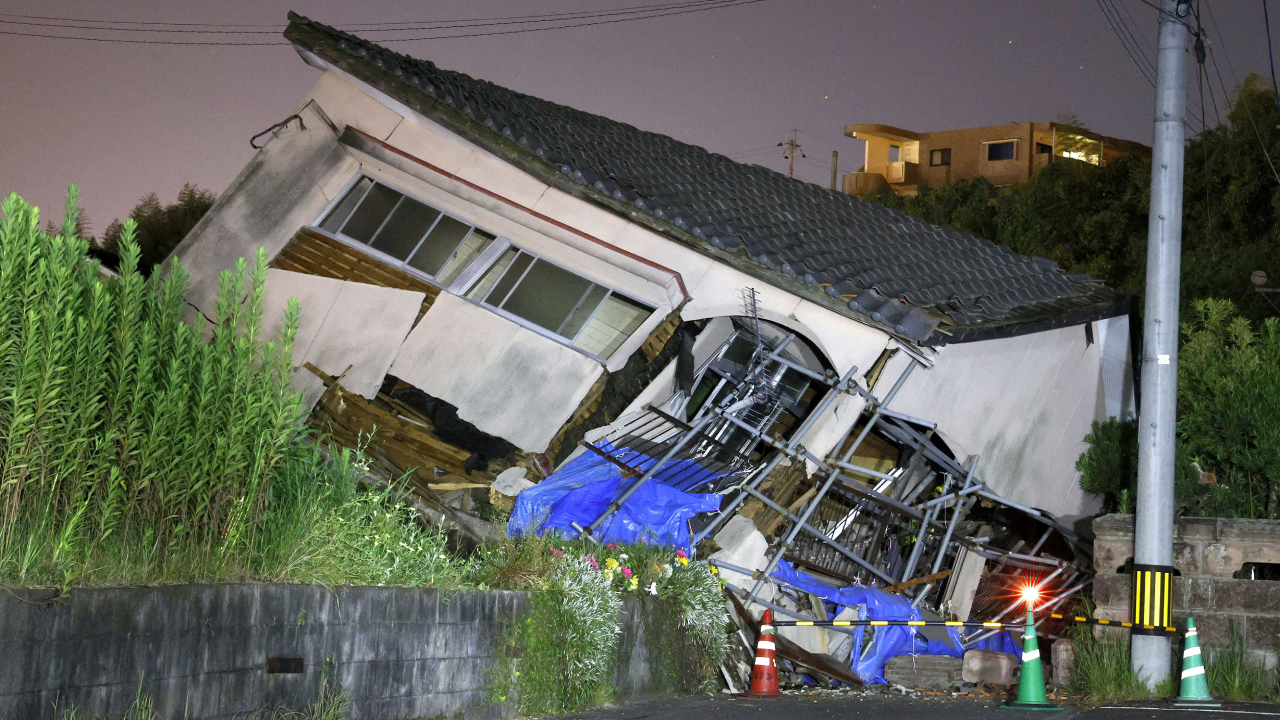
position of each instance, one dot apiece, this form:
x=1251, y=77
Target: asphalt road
x=878, y=706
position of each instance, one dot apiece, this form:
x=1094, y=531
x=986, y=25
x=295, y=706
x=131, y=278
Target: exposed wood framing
x=312, y=253
x=396, y=438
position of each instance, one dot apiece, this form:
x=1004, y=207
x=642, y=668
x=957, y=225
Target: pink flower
x=557, y=551
x=626, y=572
x=681, y=554
x=592, y=560
x=612, y=546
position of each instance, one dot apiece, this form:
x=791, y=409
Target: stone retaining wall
x=1207, y=552
x=201, y=651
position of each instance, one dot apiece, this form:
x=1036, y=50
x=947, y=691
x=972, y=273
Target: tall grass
x=1233, y=675
x=1102, y=670
x=137, y=448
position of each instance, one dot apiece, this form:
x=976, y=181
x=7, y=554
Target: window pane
x=486, y=281
x=439, y=245
x=340, y=213
x=583, y=313
x=367, y=218
x=940, y=157
x=1000, y=151
x=408, y=223
x=547, y=295
x=509, y=280
x=611, y=325
x=466, y=254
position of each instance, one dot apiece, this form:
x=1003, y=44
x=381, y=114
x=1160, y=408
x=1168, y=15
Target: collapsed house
x=492, y=284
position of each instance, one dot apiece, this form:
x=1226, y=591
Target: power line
x=1242, y=101
x=714, y=5
x=1125, y=37
x=275, y=27
x=114, y=26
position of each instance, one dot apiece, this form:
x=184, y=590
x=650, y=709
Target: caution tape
x=968, y=623
x=1169, y=629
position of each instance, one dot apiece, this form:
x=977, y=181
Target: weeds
x=1233, y=676
x=1102, y=670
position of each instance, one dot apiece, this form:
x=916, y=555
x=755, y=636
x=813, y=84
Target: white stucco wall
x=506, y=380
x=1024, y=405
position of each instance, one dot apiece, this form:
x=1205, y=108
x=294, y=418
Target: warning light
x=1030, y=594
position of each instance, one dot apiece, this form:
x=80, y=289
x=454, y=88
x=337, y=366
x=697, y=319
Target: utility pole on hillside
x=1157, y=418
x=792, y=147
x=835, y=165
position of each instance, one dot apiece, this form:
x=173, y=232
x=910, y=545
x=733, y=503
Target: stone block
x=1216, y=628
x=1063, y=654
x=1199, y=594
x=1235, y=530
x=988, y=666
x=1112, y=590
x=1186, y=557
x=1247, y=596
x=930, y=672
x=1263, y=633
x=1111, y=554
x=1196, y=528
x=1220, y=560
x=1113, y=526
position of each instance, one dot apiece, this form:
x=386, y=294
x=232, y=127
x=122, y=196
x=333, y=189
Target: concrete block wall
x=1207, y=552
x=200, y=651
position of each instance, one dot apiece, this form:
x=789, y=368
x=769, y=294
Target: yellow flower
x=634, y=582
x=683, y=561
x=611, y=564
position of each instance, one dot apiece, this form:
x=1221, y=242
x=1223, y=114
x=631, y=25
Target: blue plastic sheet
x=658, y=513
x=890, y=641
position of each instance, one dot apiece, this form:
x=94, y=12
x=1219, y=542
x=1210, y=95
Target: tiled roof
x=898, y=271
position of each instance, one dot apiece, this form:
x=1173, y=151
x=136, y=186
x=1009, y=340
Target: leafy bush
x=1229, y=410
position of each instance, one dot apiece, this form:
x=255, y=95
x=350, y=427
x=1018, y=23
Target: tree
x=160, y=227
x=1093, y=219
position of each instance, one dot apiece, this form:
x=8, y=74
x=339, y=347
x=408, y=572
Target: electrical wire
x=113, y=26
x=1125, y=36
x=719, y=4
x=1271, y=57
x=276, y=27
x=1248, y=112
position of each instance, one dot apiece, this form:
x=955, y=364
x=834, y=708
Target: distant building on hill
x=902, y=161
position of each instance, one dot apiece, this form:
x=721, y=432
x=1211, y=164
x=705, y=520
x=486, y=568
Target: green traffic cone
x=1195, y=687
x=1031, y=683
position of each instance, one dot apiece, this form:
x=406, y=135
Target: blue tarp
x=657, y=513
x=892, y=640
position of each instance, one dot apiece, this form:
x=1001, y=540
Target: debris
x=511, y=481
x=987, y=666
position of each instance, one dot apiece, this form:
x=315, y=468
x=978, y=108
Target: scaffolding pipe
x=805, y=425
x=832, y=476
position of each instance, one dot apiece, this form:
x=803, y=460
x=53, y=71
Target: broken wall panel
x=313, y=253
x=505, y=379
x=343, y=325
x=1024, y=404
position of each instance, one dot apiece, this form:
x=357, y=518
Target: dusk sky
x=124, y=119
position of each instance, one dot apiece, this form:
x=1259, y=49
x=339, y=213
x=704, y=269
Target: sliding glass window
x=592, y=317
x=414, y=234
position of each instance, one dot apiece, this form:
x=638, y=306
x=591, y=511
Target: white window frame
x=473, y=272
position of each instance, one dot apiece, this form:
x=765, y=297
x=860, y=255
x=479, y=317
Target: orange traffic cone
x=764, y=676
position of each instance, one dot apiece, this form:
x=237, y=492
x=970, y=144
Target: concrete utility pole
x=1153, y=523
x=835, y=163
x=792, y=147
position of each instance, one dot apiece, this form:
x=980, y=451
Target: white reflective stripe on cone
x=762, y=661
x=1029, y=656
x=1190, y=652
x=1192, y=672
x=765, y=645
x=766, y=628
x=1191, y=632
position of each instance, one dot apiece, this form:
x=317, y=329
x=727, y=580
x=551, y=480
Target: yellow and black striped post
x=1152, y=586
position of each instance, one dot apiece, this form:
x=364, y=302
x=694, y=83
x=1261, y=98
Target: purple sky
x=122, y=120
